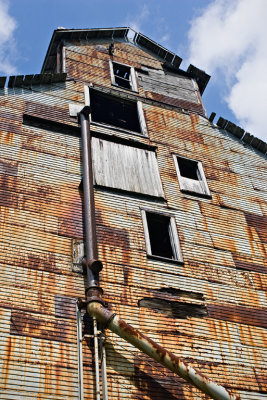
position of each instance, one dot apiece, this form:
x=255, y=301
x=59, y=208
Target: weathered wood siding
x=157, y=81
x=127, y=168
x=223, y=243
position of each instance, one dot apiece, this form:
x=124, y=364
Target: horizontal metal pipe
x=157, y=352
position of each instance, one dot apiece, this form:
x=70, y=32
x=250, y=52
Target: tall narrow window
x=123, y=76
x=191, y=176
x=161, y=236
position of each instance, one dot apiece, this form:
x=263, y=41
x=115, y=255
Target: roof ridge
x=240, y=133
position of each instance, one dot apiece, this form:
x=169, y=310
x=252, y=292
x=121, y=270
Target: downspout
x=95, y=306
x=90, y=262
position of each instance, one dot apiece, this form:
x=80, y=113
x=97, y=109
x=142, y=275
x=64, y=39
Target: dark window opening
x=115, y=111
x=160, y=235
x=122, y=75
x=188, y=168
x=174, y=309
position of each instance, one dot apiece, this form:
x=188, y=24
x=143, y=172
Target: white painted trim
x=175, y=242
x=134, y=80
x=112, y=73
x=201, y=176
x=146, y=232
x=141, y=117
x=174, y=238
x=132, y=77
x=87, y=99
x=64, y=59
x=86, y=95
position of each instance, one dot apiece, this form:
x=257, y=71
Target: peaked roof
x=126, y=34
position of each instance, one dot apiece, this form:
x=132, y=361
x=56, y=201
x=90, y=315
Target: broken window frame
x=201, y=188
x=132, y=77
x=173, y=236
x=140, y=113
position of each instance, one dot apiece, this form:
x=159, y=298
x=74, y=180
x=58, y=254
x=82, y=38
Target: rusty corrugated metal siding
x=222, y=238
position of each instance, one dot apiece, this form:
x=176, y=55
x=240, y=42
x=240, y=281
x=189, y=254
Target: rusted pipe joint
x=95, y=265
x=102, y=314
x=84, y=303
x=81, y=303
x=94, y=292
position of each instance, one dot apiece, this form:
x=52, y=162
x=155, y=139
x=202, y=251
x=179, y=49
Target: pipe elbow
x=102, y=314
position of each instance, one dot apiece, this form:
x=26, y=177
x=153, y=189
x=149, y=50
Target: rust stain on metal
x=28, y=325
x=70, y=224
x=235, y=313
x=259, y=223
x=194, y=107
x=247, y=265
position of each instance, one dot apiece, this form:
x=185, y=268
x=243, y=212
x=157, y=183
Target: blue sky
x=214, y=35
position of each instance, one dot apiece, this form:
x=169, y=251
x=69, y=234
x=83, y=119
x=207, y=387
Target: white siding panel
x=127, y=168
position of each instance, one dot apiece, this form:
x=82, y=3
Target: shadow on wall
x=147, y=376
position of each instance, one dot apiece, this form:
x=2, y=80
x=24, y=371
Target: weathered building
x=180, y=218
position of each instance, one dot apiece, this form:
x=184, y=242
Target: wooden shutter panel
x=127, y=168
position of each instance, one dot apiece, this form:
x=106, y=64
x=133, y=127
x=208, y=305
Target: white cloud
x=228, y=40
x=145, y=17
x=137, y=21
x=7, y=42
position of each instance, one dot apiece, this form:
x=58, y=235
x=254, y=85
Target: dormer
x=128, y=63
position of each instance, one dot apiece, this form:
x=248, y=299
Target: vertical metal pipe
x=104, y=369
x=89, y=204
x=97, y=384
x=80, y=353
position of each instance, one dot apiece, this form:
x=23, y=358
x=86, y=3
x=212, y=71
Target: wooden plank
x=127, y=168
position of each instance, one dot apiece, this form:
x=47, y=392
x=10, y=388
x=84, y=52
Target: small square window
x=191, y=176
x=161, y=236
x=123, y=76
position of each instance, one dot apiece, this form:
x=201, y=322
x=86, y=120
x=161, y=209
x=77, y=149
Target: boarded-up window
x=191, y=176
x=124, y=167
